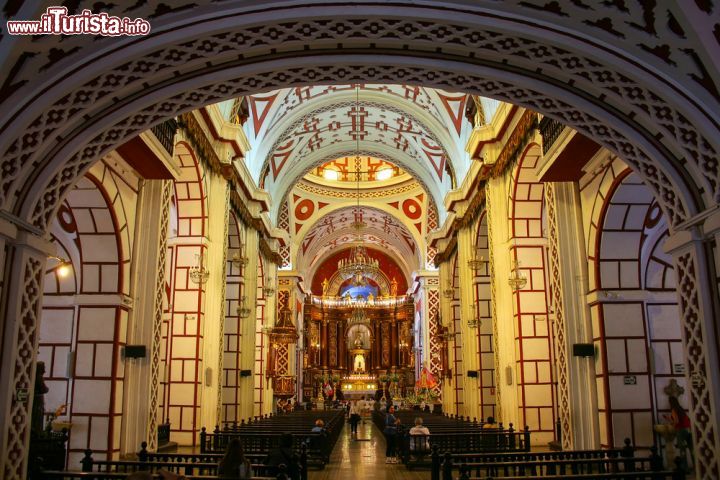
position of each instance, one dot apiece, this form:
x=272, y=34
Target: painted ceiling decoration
x=335, y=230
x=421, y=131
x=342, y=172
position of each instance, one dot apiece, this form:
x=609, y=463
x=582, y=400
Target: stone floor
x=363, y=459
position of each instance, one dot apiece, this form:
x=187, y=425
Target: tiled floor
x=363, y=459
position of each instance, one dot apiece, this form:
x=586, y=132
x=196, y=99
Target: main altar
x=358, y=346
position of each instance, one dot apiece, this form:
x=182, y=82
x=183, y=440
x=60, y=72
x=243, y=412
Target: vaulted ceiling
x=421, y=130
x=334, y=231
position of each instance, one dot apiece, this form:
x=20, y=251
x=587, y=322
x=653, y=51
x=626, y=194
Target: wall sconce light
x=63, y=268
x=473, y=322
x=516, y=280
x=477, y=261
x=449, y=291
x=269, y=287
x=238, y=259
x=199, y=274
x=243, y=311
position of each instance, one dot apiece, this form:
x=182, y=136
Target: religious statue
x=393, y=287
x=325, y=285
x=358, y=343
x=38, y=411
x=359, y=363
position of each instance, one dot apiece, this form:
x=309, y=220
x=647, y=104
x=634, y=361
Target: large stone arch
x=650, y=98
x=105, y=94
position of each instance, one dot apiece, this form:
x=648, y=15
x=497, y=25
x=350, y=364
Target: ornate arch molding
x=658, y=127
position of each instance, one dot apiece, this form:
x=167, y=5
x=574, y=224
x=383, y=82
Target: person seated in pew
x=284, y=455
x=319, y=426
x=234, y=464
x=422, y=442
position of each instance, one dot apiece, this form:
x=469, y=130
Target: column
x=467, y=340
x=698, y=291
x=577, y=388
x=324, y=344
x=214, y=321
x=394, y=344
x=342, y=346
x=24, y=256
x=496, y=204
x=142, y=376
x=447, y=347
x=247, y=325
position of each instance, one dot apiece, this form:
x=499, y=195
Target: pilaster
x=698, y=291
x=577, y=388
x=142, y=376
x=25, y=257
x=214, y=298
x=504, y=328
x=248, y=325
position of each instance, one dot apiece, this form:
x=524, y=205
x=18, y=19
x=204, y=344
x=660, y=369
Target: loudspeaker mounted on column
x=583, y=350
x=134, y=351
x=472, y=374
x=245, y=373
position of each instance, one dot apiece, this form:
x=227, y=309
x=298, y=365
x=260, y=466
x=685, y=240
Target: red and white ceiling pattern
x=360, y=123
x=335, y=230
x=421, y=130
x=449, y=107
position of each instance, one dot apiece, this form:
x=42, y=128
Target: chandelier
x=359, y=265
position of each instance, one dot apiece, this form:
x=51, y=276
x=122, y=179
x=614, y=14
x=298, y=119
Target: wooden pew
x=190, y=465
x=57, y=475
x=261, y=435
x=452, y=434
x=565, y=464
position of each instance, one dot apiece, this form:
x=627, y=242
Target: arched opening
x=48, y=140
x=638, y=327
x=84, y=316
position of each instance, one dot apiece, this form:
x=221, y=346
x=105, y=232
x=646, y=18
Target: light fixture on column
x=243, y=311
x=517, y=279
x=477, y=261
x=199, y=274
x=239, y=259
x=449, y=291
x=63, y=268
x=473, y=322
x=269, y=287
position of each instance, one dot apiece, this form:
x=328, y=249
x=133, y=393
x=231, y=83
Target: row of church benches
x=259, y=436
x=452, y=434
x=192, y=466
x=574, y=464
x=263, y=434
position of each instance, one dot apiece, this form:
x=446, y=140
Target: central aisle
x=363, y=459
